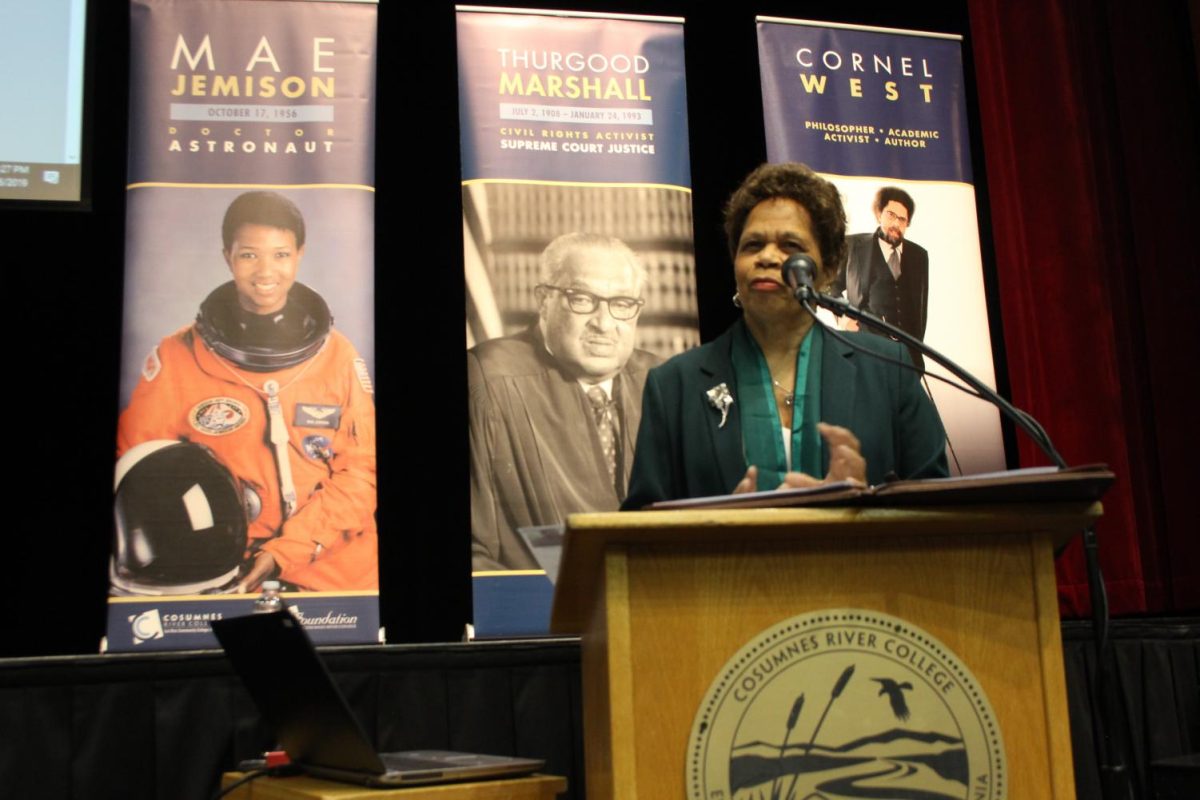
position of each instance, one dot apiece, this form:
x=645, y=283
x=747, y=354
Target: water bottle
x=270, y=600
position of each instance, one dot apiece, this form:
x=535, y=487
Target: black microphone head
x=800, y=270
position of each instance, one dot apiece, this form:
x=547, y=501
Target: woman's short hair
x=795, y=182
x=262, y=208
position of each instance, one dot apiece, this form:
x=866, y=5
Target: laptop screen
x=294, y=692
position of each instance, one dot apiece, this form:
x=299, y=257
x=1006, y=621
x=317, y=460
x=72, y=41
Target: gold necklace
x=789, y=398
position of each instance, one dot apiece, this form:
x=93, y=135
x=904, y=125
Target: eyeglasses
x=891, y=216
x=581, y=302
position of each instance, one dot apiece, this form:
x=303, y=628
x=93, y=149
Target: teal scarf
x=761, y=440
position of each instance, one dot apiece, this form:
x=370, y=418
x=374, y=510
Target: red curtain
x=1089, y=122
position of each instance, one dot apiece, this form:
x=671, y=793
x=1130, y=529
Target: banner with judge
x=246, y=440
x=577, y=237
x=882, y=114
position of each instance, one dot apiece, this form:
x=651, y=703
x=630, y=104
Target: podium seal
x=845, y=703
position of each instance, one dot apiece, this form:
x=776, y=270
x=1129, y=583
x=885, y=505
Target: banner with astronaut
x=577, y=238
x=882, y=114
x=246, y=440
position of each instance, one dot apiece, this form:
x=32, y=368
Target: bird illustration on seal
x=895, y=692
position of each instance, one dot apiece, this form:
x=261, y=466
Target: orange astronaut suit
x=187, y=392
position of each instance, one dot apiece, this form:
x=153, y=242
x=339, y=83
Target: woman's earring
x=737, y=300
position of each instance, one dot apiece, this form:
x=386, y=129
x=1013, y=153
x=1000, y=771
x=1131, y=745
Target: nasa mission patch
x=845, y=703
x=218, y=416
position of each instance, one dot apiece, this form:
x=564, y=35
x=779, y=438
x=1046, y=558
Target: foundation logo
x=330, y=620
x=840, y=704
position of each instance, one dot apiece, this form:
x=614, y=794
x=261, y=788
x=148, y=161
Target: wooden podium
x=663, y=599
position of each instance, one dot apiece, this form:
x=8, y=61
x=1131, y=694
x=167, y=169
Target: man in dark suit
x=885, y=274
x=554, y=410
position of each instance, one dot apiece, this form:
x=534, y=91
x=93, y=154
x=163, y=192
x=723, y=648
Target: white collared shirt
x=606, y=385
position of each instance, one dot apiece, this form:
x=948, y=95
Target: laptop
x=297, y=697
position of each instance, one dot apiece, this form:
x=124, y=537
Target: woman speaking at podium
x=775, y=401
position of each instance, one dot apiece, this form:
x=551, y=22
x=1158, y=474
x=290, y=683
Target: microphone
x=799, y=271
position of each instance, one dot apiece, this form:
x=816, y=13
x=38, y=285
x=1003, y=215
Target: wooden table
x=304, y=787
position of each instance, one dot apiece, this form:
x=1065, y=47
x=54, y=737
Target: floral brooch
x=720, y=399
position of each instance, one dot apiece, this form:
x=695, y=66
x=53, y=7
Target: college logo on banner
x=577, y=228
x=882, y=114
x=250, y=229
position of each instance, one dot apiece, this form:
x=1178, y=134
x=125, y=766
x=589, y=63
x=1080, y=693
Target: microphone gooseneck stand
x=1116, y=783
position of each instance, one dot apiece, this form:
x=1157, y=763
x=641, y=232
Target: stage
x=167, y=725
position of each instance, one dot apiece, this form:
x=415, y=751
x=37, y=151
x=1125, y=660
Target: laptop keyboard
x=401, y=762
